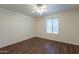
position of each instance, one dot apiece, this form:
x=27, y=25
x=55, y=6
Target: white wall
x=68, y=27
x=15, y=27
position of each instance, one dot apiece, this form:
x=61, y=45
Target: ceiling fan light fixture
x=40, y=9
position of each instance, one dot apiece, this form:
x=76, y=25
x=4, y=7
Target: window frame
x=52, y=26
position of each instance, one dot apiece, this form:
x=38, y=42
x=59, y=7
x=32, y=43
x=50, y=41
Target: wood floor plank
x=40, y=46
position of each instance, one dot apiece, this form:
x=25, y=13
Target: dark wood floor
x=40, y=46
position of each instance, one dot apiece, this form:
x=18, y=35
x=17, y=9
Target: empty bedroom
x=39, y=28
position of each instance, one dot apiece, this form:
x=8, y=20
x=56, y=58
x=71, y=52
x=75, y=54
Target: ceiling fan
x=40, y=8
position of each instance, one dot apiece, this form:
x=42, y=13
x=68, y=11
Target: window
x=52, y=26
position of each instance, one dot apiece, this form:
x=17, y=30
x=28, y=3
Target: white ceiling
x=27, y=8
